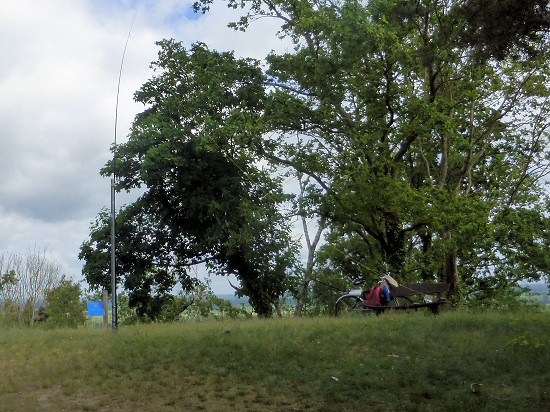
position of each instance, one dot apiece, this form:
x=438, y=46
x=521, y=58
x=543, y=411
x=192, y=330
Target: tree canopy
x=206, y=199
x=421, y=127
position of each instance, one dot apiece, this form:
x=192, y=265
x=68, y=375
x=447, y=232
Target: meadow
x=395, y=362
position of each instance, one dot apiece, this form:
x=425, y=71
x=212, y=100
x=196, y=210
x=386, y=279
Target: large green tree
x=428, y=144
x=419, y=126
x=206, y=198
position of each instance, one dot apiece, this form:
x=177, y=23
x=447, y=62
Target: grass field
x=395, y=362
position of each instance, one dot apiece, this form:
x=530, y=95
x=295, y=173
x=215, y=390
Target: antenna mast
x=113, y=191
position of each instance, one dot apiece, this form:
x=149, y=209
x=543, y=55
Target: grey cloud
x=58, y=83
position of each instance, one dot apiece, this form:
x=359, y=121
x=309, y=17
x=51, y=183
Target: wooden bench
x=432, y=297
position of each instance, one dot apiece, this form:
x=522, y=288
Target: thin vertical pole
x=113, y=209
x=113, y=260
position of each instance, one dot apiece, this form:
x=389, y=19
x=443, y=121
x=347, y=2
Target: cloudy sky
x=58, y=82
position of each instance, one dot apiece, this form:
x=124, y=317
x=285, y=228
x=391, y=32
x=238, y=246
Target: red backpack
x=373, y=298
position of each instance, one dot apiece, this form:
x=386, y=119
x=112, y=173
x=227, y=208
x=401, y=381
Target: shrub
x=64, y=307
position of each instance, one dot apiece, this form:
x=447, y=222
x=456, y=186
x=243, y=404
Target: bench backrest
x=419, y=289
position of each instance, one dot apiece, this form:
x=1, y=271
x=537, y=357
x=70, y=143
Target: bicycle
x=354, y=300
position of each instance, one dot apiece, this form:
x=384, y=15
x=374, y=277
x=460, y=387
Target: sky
x=58, y=87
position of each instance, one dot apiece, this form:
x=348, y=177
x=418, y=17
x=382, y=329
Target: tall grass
x=395, y=362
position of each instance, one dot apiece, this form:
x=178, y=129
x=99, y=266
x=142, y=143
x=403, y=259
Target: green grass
x=394, y=362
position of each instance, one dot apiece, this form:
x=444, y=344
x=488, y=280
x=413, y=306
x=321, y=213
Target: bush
x=9, y=312
x=64, y=307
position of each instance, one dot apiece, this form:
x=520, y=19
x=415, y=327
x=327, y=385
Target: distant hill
x=235, y=300
x=538, y=291
x=540, y=288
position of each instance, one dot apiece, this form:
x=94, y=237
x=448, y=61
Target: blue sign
x=96, y=309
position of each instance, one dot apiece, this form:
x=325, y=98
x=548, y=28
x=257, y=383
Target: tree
x=24, y=283
x=428, y=145
x=8, y=279
x=307, y=193
x=207, y=198
x=424, y=147
x=64, y=307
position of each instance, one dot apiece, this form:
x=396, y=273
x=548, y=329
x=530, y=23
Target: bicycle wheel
x=347, y=304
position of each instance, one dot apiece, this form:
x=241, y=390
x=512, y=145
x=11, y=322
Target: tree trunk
x=426, y=239
x=393, y=247
x=451, y=270
x=302, y=296
x=278, y=308
x=311, y=250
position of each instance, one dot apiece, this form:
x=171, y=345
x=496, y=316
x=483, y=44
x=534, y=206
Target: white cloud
x=58, y=81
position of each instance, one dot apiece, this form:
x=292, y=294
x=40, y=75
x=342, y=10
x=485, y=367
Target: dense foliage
x=207, y=200
x=64, y=307
x=421, y=128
